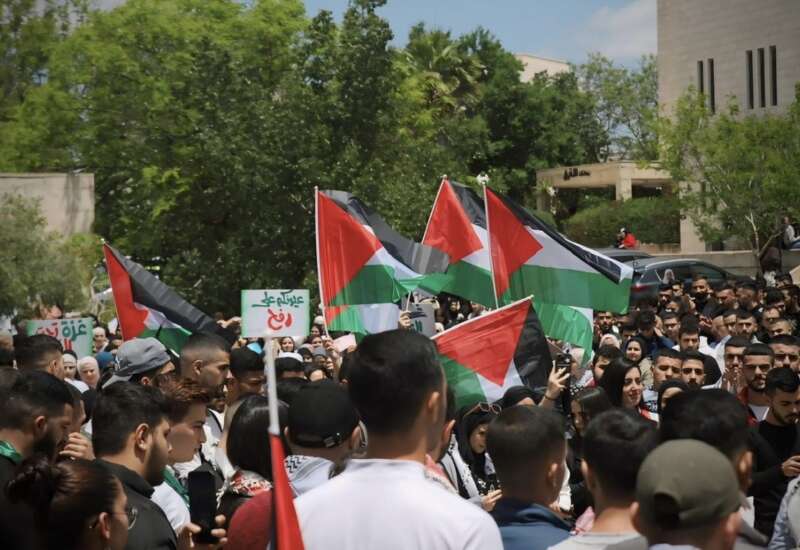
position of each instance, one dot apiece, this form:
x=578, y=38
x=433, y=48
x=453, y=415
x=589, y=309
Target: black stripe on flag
x=418, y=257
x=606, y=266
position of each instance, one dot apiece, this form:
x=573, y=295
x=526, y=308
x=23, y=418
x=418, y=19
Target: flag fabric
x=285, y=526
x=530, y=258
x=362, y=319
x=457, y=227
x=485, y=356
x=361, y=260
x=148, y=307
x=568, y=324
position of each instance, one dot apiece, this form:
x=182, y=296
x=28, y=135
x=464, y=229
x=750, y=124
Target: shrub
x=653, y=220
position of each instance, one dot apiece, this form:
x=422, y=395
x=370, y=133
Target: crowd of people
x=680, y=431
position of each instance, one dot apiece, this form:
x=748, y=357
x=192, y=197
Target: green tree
x=37, y=267
x=626, y=105
x=740, y=172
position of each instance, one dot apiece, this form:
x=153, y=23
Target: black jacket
x=771, y=446
x=152, y=530
x=17, y=529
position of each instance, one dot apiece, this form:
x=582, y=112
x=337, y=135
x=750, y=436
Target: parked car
x=649, y=273
x=623, y=254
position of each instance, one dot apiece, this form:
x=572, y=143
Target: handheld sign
x=273, y=313
x=74, y=334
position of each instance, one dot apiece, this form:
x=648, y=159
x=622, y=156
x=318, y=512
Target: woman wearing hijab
x=472, y=423
x=587, y=404
x=636, y=352
x=668, y=390
x=519, y=395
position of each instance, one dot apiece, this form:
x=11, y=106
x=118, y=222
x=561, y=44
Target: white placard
x=274, y=313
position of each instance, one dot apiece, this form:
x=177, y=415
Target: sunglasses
x=485, y=408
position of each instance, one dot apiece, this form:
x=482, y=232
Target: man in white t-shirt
x=385, y=500
x=615, y=445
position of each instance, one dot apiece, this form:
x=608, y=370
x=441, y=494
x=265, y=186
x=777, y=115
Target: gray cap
x=685, y=484
x=138, y=356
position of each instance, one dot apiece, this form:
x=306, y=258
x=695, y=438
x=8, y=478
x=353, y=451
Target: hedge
x=653, y=220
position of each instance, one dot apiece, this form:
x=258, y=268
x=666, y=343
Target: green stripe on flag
x=373, y=284
x=565, y=323
x=567, y=286
x=463, y=381
x=470, y=282
x=173, y=338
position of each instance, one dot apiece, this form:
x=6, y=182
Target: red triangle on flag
x=449, y=228
x=344, y=246
x=486, y=344
x=510, y=242
x=131, y=318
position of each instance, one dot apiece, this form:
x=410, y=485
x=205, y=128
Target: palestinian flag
x=528, y=258
x=148, y=307
x=457, y=227
x=568, y=324
x=362, y=319
x=485, y=356
x=361, y=260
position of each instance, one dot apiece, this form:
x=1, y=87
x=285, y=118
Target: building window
x=701, y=79
x=773, y=73
x=712, y=100
x=750, y=99
x=762, y=79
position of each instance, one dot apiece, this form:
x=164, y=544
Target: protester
x=289, y=365
x=757, y=361
x=455, y=469
x=724, y=426
x=287, y=344
x=622, y=382
x=615, y=444
x=130, y=439
x=248, y=378
x=668, y=390
x=89, y=371
x=40, y=352
x=247, y=446
x=77, y=505
x=746, y=324
x=686, y=497
x=601, y=360
x=205, y=357
x=586, y=405
x=142, y=361
x=787, y=351
x=692, y=369
x=472, y=423
x=733, y=356
x=529, y=450
x=636, y=352
x=775, y=445
x=519, y=395
x=36, y=415
x=667, y=366
x=99, y=339
x=185, y=405
x=323, y=431
x=397, y=385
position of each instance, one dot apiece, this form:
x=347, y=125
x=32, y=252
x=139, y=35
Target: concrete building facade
x=533, y=65
x=745, y=49
x=67, y=200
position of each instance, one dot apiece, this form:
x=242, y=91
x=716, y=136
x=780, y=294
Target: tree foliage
x=208, y=123
x=740, y=172
x=37, y=267
x=627, y=106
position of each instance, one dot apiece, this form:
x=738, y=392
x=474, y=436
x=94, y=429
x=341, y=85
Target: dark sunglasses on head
x=485, y=408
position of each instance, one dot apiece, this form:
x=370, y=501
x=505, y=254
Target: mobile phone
x=203, y=504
